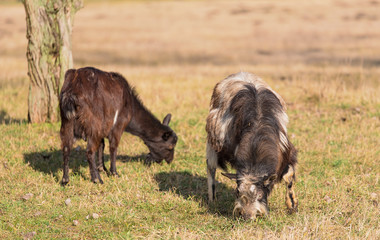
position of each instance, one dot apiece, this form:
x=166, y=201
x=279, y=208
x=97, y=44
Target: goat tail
x=68, y=105
x=67, y=100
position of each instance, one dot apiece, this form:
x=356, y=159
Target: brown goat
x=95, y=105
x=246, y=128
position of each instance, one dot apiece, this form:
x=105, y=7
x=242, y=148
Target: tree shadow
x=194, y=187
x=6, y=119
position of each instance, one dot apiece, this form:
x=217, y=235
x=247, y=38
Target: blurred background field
x=323, y=57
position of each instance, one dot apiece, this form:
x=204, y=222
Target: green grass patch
x=174, y=53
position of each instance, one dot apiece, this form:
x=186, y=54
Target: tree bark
x=49, y=26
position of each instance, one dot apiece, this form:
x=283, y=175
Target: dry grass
x=322, y=57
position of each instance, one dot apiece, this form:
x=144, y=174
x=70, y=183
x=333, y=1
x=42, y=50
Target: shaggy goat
x=246, y=128
x=95, y=105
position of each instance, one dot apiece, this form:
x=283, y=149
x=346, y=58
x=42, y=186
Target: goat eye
x=166, y=136
x=260, y=195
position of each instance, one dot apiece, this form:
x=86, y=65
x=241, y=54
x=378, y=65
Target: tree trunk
x=49, y=26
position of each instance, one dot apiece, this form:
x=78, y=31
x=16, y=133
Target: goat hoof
x=64, y=181
x=293, y=210
x=114, y=174
x=98, y=180
x=102, y=169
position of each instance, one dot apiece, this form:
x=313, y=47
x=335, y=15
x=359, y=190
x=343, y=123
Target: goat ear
x=231, y=176
x=167, y=119
x=269, y=180
x=166, y=136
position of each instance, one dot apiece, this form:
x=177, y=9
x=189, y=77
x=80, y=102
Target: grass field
x=323, y=57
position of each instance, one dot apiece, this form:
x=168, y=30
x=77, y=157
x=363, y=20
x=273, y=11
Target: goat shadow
x=194, y=187
x=50, y=162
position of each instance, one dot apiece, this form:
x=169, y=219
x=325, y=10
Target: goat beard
x=150, y=159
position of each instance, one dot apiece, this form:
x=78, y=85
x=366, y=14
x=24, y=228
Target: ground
x=322, y=57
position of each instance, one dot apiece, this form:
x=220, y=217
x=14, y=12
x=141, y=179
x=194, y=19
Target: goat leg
x=67, y=138
x=91, y=150
x=291, y=199
x=212, y=160
x=100, y=163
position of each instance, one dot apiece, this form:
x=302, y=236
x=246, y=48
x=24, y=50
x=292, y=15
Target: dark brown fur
x=95, y=105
